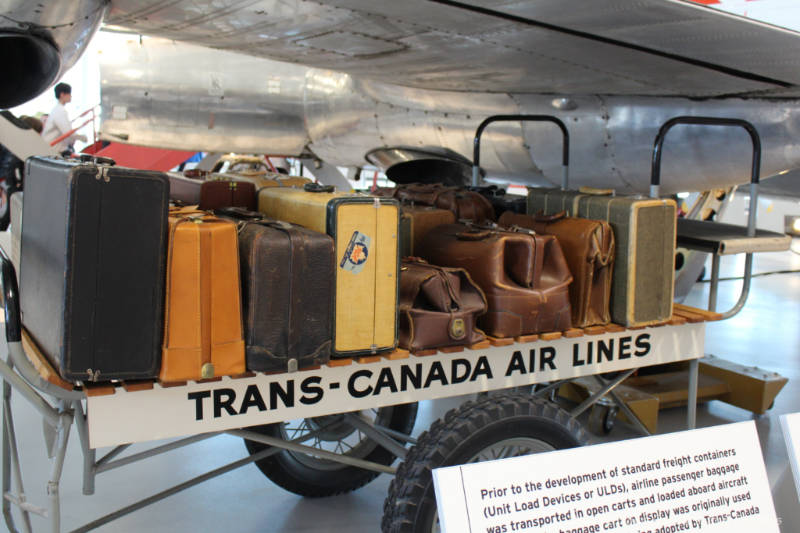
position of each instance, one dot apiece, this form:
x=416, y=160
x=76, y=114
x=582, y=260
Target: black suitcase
x=92, y=267
x=287, y=292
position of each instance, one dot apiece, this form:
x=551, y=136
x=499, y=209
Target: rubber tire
x=286, y=471
x=410, y=506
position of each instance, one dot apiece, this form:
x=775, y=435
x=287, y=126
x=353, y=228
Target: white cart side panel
x=127, y=417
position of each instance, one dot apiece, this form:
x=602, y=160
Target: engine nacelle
x=40, y=40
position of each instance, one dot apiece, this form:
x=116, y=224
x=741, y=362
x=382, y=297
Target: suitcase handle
x=316, y=187
x=473, y=235
x=541, y=217
x=97, y=160
x=195, y=173
x=595, y=191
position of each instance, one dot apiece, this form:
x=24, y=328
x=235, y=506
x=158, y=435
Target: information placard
x=710, y=479
x=791, y=432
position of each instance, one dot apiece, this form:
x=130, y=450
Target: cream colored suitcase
x=643, y=281
x=365, y=232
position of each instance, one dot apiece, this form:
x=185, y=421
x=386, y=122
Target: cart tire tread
x=459, y=435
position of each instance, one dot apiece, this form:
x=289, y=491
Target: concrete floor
x=766, y=334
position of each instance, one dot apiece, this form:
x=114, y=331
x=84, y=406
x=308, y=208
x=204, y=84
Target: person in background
x=58, y=122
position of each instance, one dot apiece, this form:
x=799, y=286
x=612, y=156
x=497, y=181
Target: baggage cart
x=327, y=399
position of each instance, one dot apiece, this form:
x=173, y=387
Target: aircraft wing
x=612, y=47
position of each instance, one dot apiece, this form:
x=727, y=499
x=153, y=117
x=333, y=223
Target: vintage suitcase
x=524, y=276
x=16, y=227
x=92, y=267
x=438, y=306
x=269, y=179
x=644, y=231
x=465, y=204
x=365, y=230
x=211, y=191
x=416, y=222
x=287, y=292
x=588, y=247
x=202, y=319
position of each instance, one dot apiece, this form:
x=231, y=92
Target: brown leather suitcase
x=438, y=307
x=465, y=205
x=202, y=319
x=211, y=191
x=416, y=222
x=287, y=292
x=524, y=276
x=588, y=247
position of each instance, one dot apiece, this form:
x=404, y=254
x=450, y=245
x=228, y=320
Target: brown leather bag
x=588, y=247
x=465, y=205
x=524, y=276
x=416, y=222
x=203, y=321
x=438, y=306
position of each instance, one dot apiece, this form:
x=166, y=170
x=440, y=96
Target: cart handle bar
x=8, y=279
x=476, y=154
x=655, y=175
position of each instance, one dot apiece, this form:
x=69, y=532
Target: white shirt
x=56, y=125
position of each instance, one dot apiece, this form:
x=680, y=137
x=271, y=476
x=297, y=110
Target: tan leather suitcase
x=416, y=222
x=588, y=247
x=203, y=321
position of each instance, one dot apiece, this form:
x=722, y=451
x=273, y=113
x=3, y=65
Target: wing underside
x=615, y=47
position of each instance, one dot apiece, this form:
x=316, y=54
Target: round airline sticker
x=356, y=254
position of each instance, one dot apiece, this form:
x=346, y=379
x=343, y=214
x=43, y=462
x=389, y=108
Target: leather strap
x=206, y=243
x=541, y=217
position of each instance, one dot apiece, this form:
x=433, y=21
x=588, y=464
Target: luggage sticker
x=355, y=256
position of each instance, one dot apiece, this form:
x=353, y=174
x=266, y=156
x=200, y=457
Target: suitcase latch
x=377, y=203
x=291, y=365
x=102, y=174
x=207, y=371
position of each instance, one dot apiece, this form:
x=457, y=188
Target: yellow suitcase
x=365, y=233
x=266, y=179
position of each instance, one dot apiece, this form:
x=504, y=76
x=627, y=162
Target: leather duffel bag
x=465, y=204
x=588, y=247
x=438, y=307
x=524, y=276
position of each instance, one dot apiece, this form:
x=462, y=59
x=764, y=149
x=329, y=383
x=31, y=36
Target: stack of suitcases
x=275, y=273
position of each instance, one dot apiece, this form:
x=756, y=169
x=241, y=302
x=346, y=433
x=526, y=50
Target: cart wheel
x=602, y=418
x=314, y=477
x=490, y=428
